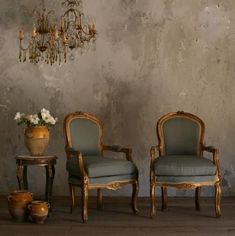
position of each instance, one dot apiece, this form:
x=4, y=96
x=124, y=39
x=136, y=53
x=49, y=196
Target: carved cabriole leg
x=72, y=197
x=217, y=199
x=153, y=198
x=85, y=200
x=99, y=199
x=164, y=198
x=197, y=198
x=135, y=192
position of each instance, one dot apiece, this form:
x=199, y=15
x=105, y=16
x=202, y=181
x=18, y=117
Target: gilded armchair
x=87, y=166
x=181, y=162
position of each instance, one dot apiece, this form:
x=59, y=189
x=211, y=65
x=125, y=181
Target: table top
x=34, y=158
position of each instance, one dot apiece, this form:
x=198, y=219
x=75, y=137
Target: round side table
x=23, y=161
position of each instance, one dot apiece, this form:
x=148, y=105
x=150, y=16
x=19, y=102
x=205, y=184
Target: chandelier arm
x=67, y=13
x=35, y=12
x=88, y=34
x=50, y=12
x=75, y=11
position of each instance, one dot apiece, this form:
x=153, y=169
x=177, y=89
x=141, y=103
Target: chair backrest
x=84, y=133
x=180, y=133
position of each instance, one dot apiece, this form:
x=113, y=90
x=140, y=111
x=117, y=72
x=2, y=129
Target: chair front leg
x=152, y=199
x=164, y=198
x=217, y=199
x=99, y=199
x=135, y=192
x=72, y=197
x=197, y=198
x=85, y=200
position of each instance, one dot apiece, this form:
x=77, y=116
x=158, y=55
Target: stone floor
x=117, y=219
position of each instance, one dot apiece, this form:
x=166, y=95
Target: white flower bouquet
x=42, y=118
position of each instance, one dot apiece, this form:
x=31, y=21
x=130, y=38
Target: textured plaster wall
x=151, y=57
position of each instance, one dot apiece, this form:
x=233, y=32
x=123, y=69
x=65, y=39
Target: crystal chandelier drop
x=49, y=42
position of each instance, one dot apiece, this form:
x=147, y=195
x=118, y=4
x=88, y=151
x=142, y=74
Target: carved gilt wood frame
x=85, y=185
x=160, y=149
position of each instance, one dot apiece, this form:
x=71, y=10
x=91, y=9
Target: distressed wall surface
x=151, y=57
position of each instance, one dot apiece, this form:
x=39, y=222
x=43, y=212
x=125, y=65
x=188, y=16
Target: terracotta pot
x=37, y=139
x=38, y=211
x=18, y=204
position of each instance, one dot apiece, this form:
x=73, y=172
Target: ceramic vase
x=37, y=139
x=18, y=204
x=38, y=211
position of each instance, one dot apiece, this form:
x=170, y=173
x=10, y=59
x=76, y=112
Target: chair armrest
x=73, y=153
x=153, y=156
x=70, y=152
x=213, y=150
x=209, y=148
x=215, y=155
x=153, y=152
x=116, y=148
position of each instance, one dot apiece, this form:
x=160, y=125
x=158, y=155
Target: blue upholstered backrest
x=85, y=136
x=181, y=136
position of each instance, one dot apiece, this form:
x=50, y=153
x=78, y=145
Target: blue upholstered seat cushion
x=184, y=165
x=101, y=167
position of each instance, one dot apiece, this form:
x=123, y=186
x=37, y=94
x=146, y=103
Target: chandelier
x=49, y=42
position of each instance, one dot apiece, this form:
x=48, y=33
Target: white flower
x=19, y=116
x=34, y=119
x=44, y=111
x=52, y=120
x=46, y=117
x=42, y=118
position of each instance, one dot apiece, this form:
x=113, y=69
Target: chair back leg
x=197, y=198
x=164, y=198
x=99, y=199
x=72, y=197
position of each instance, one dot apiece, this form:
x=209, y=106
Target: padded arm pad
x=117, y=148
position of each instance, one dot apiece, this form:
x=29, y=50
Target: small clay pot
x=18, y=204
x=38, y=211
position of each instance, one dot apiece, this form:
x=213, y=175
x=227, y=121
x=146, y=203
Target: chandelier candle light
x=50, y=42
